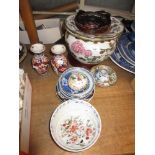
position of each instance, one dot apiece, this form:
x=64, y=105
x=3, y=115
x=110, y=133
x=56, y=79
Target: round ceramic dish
x=63, y=97
x=76, y=82
x=89, y=48
x=104, y=75
x=126, y=48
x=75, y=125
x=117, y=58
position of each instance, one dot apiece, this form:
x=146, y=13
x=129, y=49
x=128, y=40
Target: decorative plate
x=76, y=81
x=127, y=48
x=117, y=58
x=63, y=97
x=104, y=75
x=75, y=125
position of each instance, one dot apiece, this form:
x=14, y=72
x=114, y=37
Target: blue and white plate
x=67, y=84
x=133, y=26
x=126, y=47
x=117, y=58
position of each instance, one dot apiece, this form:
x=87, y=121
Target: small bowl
x=104, y=75
x=37, y=48
x=58, y=49
x=93, y=22
x=69, y=87
x=75, y=125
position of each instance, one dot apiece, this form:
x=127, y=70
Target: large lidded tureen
x=92, y=36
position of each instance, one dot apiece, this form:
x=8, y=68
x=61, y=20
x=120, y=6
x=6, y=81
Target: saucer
x=75, y=125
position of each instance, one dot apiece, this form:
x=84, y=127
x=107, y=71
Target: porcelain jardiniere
x=92, y=48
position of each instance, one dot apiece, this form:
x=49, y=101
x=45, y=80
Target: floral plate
x=104, y=75
x=117, y=58
x=75, y=125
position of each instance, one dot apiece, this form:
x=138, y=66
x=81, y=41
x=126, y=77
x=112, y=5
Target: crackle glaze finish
x=91, y=49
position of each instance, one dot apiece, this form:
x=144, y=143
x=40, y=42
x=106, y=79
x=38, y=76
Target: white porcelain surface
x=37, y=48
x=58, y=49
x=75, y=125
x=89, y=52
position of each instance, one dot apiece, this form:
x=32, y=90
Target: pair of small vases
x=40, y=62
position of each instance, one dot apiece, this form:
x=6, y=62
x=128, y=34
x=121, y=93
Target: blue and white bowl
x=75, y=82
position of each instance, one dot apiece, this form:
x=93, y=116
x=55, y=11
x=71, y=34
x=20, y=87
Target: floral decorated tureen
x=91, y=48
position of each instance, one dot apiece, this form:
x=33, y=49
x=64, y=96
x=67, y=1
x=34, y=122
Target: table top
x=115, y=105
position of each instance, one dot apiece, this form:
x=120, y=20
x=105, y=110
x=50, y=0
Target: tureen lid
x=116, y=28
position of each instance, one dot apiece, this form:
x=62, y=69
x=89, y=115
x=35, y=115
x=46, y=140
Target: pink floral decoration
x=77, y=47
x=87, y=53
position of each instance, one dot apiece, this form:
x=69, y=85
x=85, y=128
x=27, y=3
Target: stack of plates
x=124, y=55
x=75, y=125
x=77, y=83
